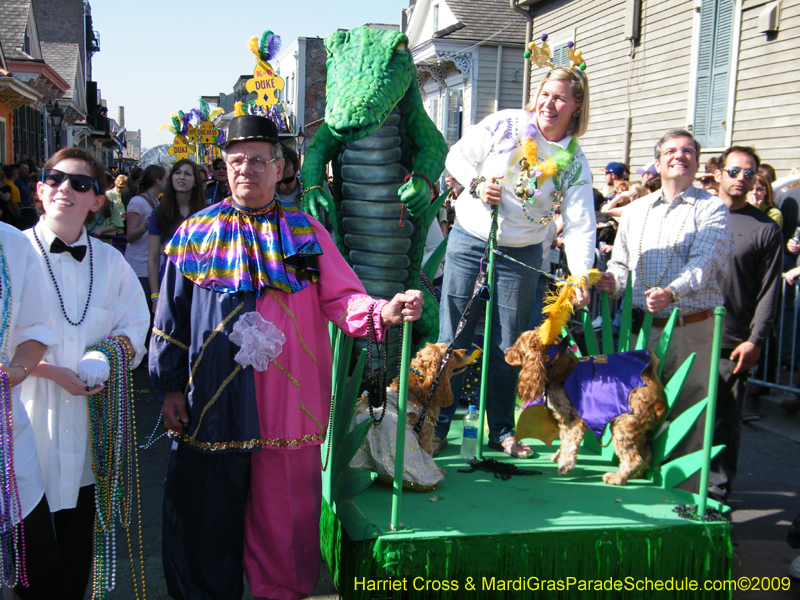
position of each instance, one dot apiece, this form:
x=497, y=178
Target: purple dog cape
x=600, y=385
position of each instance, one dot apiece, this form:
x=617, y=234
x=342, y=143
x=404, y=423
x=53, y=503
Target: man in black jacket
x=751, y=293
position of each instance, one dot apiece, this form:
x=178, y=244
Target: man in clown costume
x=242, y=352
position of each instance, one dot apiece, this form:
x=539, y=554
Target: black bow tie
x=77, y=252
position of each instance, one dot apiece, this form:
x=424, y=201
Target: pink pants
x=281, y=549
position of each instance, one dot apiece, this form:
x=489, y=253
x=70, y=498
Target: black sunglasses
x=288, y=180
x=79, y=183
x=734, y=173
x=221, y=167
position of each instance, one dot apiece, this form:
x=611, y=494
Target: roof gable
x=491, y=21
x=65, y=60
x=18, y=18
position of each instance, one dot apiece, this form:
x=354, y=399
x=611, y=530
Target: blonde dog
x=377, y=452
x=631, y=431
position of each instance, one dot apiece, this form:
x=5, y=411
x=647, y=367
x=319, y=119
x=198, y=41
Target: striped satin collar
x=230, y=248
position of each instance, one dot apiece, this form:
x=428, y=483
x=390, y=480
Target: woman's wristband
x=473, y=186
x=144, y=228
x=154, y=296
x=24, y=368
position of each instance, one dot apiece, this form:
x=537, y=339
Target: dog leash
x=482, y=291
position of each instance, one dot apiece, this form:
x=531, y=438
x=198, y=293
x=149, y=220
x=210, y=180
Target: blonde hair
x=579, y=86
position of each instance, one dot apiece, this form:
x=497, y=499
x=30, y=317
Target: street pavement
x=766, y=499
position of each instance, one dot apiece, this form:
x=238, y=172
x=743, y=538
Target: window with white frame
x=433, y=110
x=713, y=71
x=455, y=102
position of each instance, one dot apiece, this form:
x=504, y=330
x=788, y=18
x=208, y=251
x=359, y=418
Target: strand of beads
x=115, y=466
x=55, y=283
x=12, y=539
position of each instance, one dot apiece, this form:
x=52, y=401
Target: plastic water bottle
x=469, y=439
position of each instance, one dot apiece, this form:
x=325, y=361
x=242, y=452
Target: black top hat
x=251, y=128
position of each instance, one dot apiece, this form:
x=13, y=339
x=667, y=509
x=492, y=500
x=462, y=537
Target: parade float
x=514, y=532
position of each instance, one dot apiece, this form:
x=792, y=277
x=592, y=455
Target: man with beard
x=751, y=304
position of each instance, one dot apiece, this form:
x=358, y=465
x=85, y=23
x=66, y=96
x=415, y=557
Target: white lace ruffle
x=259, y=341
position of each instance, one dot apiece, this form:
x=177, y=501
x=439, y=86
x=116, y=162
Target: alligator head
x=369, y=71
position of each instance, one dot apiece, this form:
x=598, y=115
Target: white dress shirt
x=684, y=244
x=116, y=307
x=27, y=322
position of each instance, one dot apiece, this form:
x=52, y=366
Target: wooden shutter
x=561, y=55
x=713, y=71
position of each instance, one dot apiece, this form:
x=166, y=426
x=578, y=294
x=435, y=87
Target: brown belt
x=692, y=318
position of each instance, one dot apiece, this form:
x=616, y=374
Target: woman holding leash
x=524, y=164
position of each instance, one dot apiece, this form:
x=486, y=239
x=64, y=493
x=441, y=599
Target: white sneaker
x=794, y=568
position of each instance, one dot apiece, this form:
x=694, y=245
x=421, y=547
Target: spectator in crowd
x=140, y=209
x=760, y=196
x=751, y=291
x=615, y=172
x=651, y=232
x=768, y=171
x=647, y=172
x=290, y=188
x=706, y=179
x=134, y=177
x=218, y=189
x=14, y=205
x=450, y=204
x=90, y=295
x=25, y=340
x=183, y=196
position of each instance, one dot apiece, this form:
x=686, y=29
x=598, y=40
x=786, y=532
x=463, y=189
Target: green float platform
x=540, y=536
x=572, y=529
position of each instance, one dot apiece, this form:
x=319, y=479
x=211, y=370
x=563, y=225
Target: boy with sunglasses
x=90, y=294
x=751, y=292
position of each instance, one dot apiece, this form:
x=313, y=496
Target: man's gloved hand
x=94, y=368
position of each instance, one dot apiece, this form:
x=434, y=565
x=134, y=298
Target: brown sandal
x=513, y=448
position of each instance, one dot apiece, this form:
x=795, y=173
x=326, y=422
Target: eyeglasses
x=221, y=167
x=759, y=188
x=674, y=151
x=256, y=163
x=79, y=183
x=749, y=174
x=288, y=180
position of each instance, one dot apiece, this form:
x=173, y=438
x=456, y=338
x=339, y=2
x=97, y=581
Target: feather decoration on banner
x=215, y=113
x=175, y=127
x=221, y=138
x=253, y=45
x=273, y=47
x=184, y=122
x=196, y=115
x=238, y=109
x=204, y=109
x=269, y=46
x=558, y=305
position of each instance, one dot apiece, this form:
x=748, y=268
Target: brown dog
x=427, y=363
x=631, y=432
x=378, y=450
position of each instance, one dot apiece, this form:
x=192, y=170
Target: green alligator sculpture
x=376, y=132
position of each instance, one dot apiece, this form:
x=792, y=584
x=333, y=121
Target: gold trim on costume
x=214, y=333
x=170, y=339
x=216, y=396
x=249, y=444
x=350, y=306
x=296, y=384
x=294, y=320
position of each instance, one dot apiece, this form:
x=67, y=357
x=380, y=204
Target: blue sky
x=158, y=57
